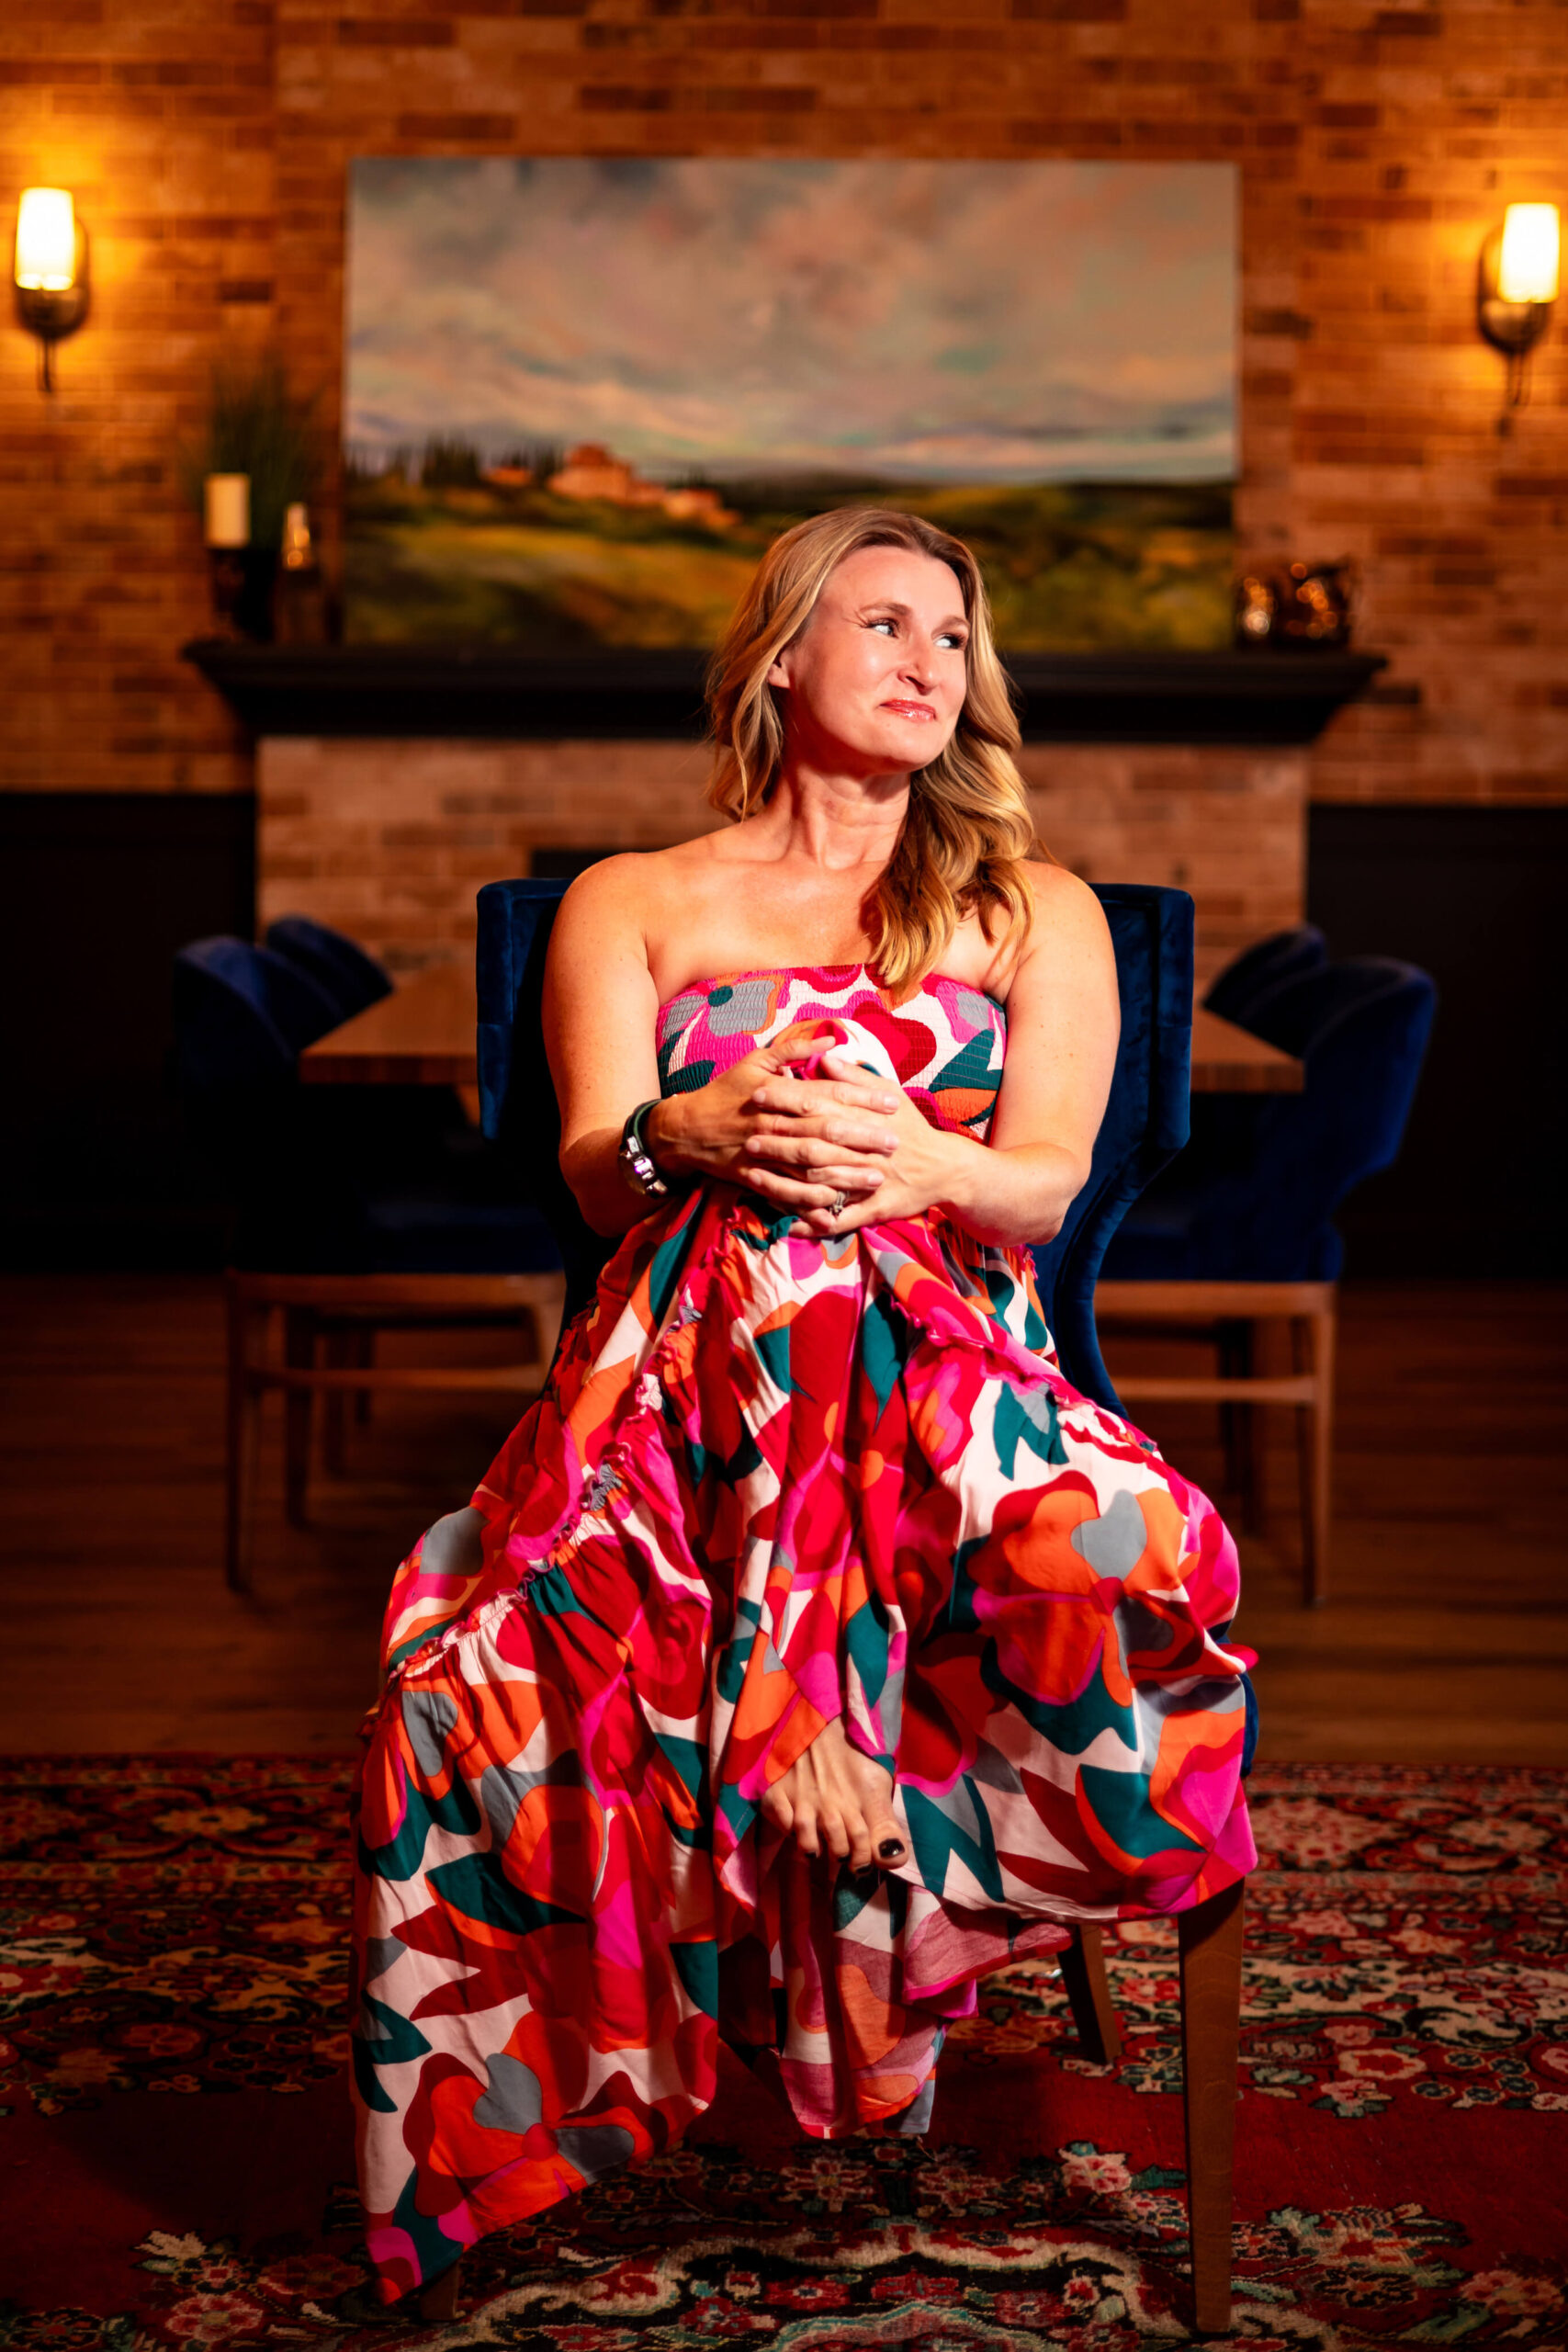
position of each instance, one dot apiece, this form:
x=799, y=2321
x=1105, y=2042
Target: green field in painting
x=1070, y=567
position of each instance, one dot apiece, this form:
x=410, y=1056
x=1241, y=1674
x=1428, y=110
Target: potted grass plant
x=257, y=428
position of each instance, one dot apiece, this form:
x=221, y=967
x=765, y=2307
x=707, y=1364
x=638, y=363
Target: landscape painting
x=584, y=396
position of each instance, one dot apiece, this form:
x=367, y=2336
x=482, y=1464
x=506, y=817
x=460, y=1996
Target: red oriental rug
x=176, y=2162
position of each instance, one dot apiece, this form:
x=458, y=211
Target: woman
x=812, y=1647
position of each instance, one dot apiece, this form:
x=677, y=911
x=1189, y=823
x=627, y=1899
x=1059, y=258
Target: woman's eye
x=887, y=625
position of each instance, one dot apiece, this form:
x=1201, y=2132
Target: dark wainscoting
x=100, y=889
x=1478, y=897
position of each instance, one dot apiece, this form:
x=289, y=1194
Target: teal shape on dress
x=433, y=2250
x=401, y=1857
x=687, y=1079
x=885, y=1348
x=1119, y=1803
x=971, y=1067
x=937, y=1838
x=396, y=2043
x=669, y=1264
x=1070, y=1724
x=865, y=1638
x=697, y=1967
x=738, y=1810
x=1029, y=1413
x=477, y=1886
x=772, y=1346
x=551, y=1594
x=689, y=1760
x=730, y=1674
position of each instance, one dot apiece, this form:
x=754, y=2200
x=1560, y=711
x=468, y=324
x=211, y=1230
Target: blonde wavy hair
x=968, y=827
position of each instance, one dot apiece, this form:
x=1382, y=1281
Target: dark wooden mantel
x=483, y=690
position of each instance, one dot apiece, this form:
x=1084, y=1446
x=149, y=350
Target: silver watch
x=635, y=1161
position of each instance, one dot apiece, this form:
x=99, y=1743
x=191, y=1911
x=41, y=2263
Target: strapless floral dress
x=771, y=1481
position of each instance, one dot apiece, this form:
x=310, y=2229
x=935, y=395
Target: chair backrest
x=1261, y=967
x=517, y=1098
x=339, y=965
x=1144, y=1123
x=1360, y=1028
x=242, y=1016
x=1146, y=1120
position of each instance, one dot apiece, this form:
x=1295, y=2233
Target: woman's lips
x=910, y=709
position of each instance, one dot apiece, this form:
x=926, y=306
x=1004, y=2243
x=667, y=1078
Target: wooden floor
x=1446, y=1637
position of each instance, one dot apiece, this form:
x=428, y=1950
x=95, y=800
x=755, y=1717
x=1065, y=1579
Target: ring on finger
x=837, y=1206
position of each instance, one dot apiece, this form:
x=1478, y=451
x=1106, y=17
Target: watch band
x=636, y=1162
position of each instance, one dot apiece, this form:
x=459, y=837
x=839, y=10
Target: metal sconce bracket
x=51, y=316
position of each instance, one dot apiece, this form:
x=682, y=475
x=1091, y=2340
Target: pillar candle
x=228, y=510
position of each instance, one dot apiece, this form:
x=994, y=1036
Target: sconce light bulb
x=45, y=240
x=1527, y=263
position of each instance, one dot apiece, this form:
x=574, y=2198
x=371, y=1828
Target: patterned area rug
x=178, y=2160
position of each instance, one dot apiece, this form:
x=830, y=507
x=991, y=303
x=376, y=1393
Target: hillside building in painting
x=591, y=471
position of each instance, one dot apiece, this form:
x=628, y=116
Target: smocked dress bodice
x=944, y=1045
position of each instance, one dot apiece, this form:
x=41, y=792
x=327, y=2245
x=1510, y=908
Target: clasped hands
x=801, y=1142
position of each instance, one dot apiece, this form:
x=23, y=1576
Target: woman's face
x=877, y=676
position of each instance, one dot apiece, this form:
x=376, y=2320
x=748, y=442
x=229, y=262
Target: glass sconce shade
x=46, y=241
x=1528, y=256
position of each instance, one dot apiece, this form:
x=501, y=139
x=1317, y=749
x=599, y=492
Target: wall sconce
x=1516, y=288
x=51, y=272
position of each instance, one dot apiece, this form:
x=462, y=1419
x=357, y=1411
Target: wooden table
x=423, y=1035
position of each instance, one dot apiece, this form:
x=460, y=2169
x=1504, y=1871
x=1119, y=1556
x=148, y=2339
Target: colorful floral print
x=771, y=1481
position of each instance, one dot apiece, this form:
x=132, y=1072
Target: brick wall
x=207, y=141
x=389, y=840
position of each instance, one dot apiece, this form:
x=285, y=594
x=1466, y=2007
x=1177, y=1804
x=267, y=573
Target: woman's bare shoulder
x=631, y=900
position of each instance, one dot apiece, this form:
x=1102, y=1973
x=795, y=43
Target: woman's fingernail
x=891, y=1850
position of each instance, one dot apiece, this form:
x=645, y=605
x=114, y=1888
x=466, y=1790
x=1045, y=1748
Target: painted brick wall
x=207, y=141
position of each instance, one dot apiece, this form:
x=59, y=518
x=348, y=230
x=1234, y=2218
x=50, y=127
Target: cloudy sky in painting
x=938, y=322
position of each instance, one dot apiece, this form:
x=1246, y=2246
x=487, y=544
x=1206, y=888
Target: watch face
x=639, y=1170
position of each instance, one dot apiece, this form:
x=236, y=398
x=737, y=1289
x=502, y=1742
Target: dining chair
x=1239, y=1234
x=1282, y=956
x=1144, y=1127
x=332, y=1239
x=347, y=972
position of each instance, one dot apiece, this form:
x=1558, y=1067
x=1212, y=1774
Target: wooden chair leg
x=364, y=1357
x=438, y=2302
x=1210, y=1941
x=300, y=1353
x=1313, y=1338
x=1089, y=1995
x=341, y=1350
x=243, y=1418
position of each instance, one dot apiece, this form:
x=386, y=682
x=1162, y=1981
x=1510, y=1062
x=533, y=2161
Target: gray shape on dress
x=1152, y=1702
x=594, y=2148
x=992, y=1770
x=743, y=1011
x=428, y=1716
x=1114, y=1543
x=1141, y=1627
x=514, y=2101
x=681, y=1011
x=502, y=1792
x=381, y=1953
x=976, y=1009
x=917, y=2117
